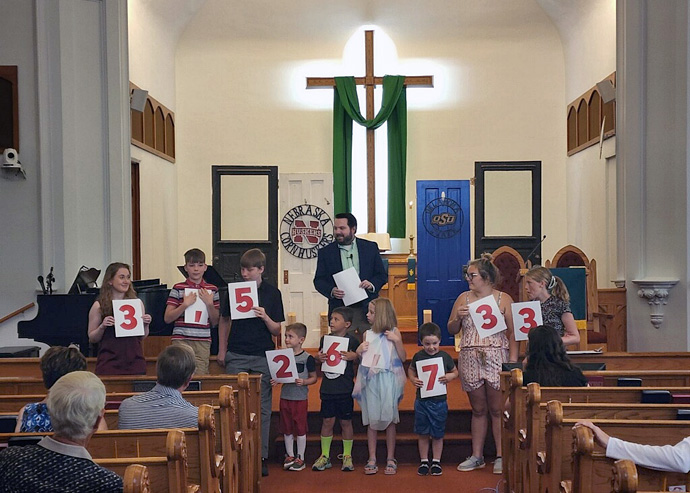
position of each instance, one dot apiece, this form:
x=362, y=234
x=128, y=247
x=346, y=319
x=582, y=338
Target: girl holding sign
x=381, y=380
x=482, y=352
x=116, y=355
x=551, y=292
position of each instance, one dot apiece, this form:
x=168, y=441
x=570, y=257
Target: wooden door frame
x=136, y=220
x=271, y=172
x=523, y=244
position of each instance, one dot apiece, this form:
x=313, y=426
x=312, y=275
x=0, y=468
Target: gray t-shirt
x=293, y=392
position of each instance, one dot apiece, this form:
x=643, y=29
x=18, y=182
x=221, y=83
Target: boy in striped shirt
x=193, y=329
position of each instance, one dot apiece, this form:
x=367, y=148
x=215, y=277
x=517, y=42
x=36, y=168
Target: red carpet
x=334, y=480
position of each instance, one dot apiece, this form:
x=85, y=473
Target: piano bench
x=19, y=352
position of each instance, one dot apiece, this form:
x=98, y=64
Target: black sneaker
x=436, y=469
x=264, y=468
x=423, y=468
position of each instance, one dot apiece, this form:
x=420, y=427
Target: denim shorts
x=430, y=417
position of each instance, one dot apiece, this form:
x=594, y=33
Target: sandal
x=391, y=467
x=371, y=467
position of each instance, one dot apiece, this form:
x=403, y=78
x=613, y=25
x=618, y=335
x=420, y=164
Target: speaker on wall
x=606, y=90
x=138, y=99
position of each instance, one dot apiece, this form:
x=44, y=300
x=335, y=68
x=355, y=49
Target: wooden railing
x=17, y=312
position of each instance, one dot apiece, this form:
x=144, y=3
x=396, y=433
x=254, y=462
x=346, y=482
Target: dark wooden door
x=508, y=208
x=136, y=222
x=245, y=215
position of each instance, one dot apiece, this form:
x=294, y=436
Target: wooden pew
x=592, y=470
x=231, y=440
x=205, y=466
x=167, y=473
x=624, y=478
x=555, y=463
x=650, y=378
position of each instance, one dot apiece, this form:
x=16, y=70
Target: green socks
x=347, y=447
x=326, y=445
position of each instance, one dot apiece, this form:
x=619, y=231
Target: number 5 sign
x=526, y=316
x=332, y=346
x=487, y=317
x=243, y=297
x=128, y=317
x=429, y=371
x=281, y=364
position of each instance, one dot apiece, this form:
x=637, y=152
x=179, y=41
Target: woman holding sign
x=118, y=355
x=551, y=292
x=483, y=317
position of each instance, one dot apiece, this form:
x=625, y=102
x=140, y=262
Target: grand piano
x=63, y=319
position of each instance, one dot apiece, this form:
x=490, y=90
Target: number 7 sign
x=282, y=365
x=429, y=371
x=243, y=297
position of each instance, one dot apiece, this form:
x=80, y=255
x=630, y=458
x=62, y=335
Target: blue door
x=443, y=247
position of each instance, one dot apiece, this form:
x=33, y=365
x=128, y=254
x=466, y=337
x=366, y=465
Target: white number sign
x=429, y=371
x=526, y=316
x=243, y=297
x=487, y=317
x=332, y=346
x=196, y=313
x=281, y=364
x=128, y=317
x=378, y=355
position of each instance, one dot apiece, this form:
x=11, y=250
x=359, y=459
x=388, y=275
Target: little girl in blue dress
x=380, y=380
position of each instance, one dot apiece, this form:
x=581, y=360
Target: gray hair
x=74, y=403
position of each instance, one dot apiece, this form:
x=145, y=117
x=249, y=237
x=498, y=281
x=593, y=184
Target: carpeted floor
x=334, y=480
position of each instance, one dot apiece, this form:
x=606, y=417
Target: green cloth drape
x=394, y=110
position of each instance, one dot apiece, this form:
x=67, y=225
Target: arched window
x=594, y=115
x=148, y=124
x=582, y=122
x=572, y=129
x=169, y=136
x=159, y=125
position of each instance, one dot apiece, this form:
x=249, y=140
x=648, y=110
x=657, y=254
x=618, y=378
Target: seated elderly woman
x=61, y=462
x=547, y=363
x=56, y=362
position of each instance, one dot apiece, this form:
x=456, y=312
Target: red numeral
x=243, y=300
x=432, y=379
x=528, y=321
x=130, y=322
x=285, y=362
x=197, y=316
x=334, y=356
x=490, y=319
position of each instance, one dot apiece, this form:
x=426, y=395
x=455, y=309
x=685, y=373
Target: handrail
x=17, y=312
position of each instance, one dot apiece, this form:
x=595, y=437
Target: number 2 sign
x=487, y=317
x=281, y=364
x=332, y=346
x=526, y=316
x=429, y=371
x=128, y=317
x=243, y=297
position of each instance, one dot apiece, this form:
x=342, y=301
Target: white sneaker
x=498, y=465
x=472, y=463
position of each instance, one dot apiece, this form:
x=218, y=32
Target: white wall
x=152, y=44
x=20, y=247
x=234, y=107
x=587, y=29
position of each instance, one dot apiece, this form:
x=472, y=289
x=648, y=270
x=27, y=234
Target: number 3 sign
x=526, y=316
x=128, y=317
x=243, y=297
x=281, y=364
x=487, y=317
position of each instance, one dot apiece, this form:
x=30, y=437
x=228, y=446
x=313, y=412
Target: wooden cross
x=369, y=81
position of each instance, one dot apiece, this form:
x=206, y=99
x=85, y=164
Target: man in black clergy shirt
x=345, y=252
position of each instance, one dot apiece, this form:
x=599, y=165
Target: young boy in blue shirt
x=431, y=413
x=336, y=393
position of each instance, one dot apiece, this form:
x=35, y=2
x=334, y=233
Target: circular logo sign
x=443, y=218
x=304, y=229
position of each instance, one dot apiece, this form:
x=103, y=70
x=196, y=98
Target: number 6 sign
x=526, y=316
x=281, y=364
x=128, y=317
x=243, y=297
x=487, y=317
x=332, y=346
